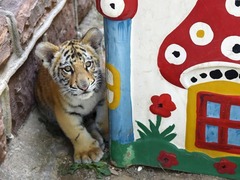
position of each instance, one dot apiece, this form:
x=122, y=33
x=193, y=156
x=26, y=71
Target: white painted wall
x=154, y=20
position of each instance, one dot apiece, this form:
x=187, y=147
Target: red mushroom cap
x=205, y=46
x=117, y=9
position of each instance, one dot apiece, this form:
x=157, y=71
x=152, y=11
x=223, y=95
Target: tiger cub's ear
x=93, y=37
x=46, y=51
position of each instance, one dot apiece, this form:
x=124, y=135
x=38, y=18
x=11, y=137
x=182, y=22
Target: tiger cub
x=70, y=88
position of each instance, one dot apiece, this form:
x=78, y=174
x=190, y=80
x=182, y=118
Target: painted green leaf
x=168, y=130
x=153, y=128
x=144, y=128
x=170, y=137
x=142, y=134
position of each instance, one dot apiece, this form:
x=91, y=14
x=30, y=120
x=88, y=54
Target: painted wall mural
x=205, y=62
x=190, y=111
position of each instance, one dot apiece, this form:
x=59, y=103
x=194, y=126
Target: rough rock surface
x=21, y=88
x=3, y=146
x=63, y=26
x=30, y=14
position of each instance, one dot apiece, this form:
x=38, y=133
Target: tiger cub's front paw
x=88, y=153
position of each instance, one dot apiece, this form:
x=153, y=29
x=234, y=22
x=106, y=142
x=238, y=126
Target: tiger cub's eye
x=88, y=64
x=67, y=69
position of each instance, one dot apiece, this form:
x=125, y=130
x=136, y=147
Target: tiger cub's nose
x=83, y=85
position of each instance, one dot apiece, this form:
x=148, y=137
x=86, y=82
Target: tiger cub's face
x=75, y=65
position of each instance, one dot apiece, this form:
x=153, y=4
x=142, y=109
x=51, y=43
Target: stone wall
x=30, y=15
x=3, y=149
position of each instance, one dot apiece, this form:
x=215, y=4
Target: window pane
x=234, y=136
x=235, y=113
x=213, y=109
x=211, y=133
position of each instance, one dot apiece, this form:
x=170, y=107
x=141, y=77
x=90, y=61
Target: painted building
x=174, y=84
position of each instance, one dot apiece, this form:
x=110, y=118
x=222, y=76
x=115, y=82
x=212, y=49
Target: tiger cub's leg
x=92, y=128
x=97, y=123
x=102, y=119
x=86, y=148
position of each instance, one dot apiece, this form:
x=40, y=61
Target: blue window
x=213, y=109
x=235, y=113
x=211, y=133
x=234, y=136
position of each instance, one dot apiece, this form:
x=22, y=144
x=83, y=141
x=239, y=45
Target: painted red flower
x=225, y=166
x=167, y=160
x=162, y=105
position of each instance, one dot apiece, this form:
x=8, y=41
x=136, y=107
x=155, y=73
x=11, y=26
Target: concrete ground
x=35, y=154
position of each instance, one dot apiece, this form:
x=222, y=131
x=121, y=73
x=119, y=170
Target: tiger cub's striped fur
x=70, y=87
